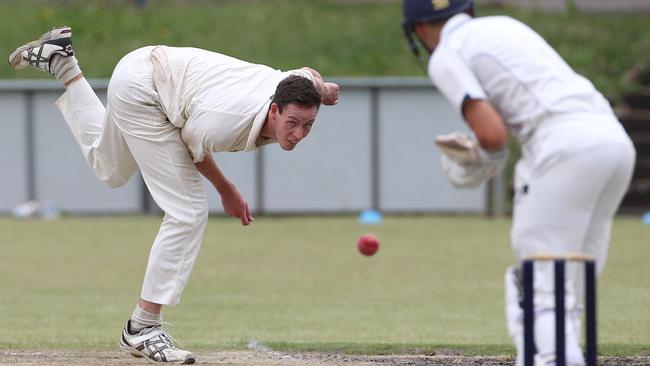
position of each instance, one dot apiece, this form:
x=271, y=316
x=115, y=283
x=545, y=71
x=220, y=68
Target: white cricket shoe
x=39, y=53
x=154, y=344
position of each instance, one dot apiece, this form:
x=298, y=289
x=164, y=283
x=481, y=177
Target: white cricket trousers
x=132, y=132
x=569, y=183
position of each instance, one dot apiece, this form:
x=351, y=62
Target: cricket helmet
x=422, y=11
x=418, y=11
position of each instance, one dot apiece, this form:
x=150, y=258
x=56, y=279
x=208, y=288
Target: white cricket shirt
x=219, y=102
x=501, y=60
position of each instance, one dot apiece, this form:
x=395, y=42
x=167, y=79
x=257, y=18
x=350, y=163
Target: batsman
x=576, y=159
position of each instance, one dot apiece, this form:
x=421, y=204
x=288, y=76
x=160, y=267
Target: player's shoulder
x=482, y=34
x=497, y=24
x=483, y=24
x=444, y=61
x=495, y=19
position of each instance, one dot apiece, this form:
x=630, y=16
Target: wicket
x=590, y=307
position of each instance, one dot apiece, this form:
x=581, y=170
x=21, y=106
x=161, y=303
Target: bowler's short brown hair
x=298, y=90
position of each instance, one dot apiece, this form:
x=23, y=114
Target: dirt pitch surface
x=256, y=358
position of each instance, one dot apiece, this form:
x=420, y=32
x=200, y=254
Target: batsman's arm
x=330, y=93
x=233, y=202
x=486, y=123
x=490, y=131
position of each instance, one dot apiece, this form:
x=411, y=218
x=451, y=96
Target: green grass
x=296, y=284
x=339, y=38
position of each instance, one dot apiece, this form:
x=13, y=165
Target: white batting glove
x=465, y=163
x=458, y=146
x=463, y=175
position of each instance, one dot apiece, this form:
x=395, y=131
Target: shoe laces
x=164, y=327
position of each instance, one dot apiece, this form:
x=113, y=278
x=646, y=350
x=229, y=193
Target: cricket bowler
x=168, y=110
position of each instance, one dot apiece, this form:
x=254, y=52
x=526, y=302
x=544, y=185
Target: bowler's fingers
x=250, y=215
x=333, y=93
x=245, y=215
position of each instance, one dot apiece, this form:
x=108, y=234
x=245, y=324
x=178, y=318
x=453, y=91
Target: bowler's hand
x=332, y=94
x=235, y=205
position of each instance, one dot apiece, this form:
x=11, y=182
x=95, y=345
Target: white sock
x=65, y=68
x=141, y=319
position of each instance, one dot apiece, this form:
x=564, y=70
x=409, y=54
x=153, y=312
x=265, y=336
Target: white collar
x=256, y=129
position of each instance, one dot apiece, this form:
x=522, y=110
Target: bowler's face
x=293, y=124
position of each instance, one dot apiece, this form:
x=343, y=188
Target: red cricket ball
x=368, y=244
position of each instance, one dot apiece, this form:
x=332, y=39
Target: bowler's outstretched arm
x=329, y=91
x=233, y=202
